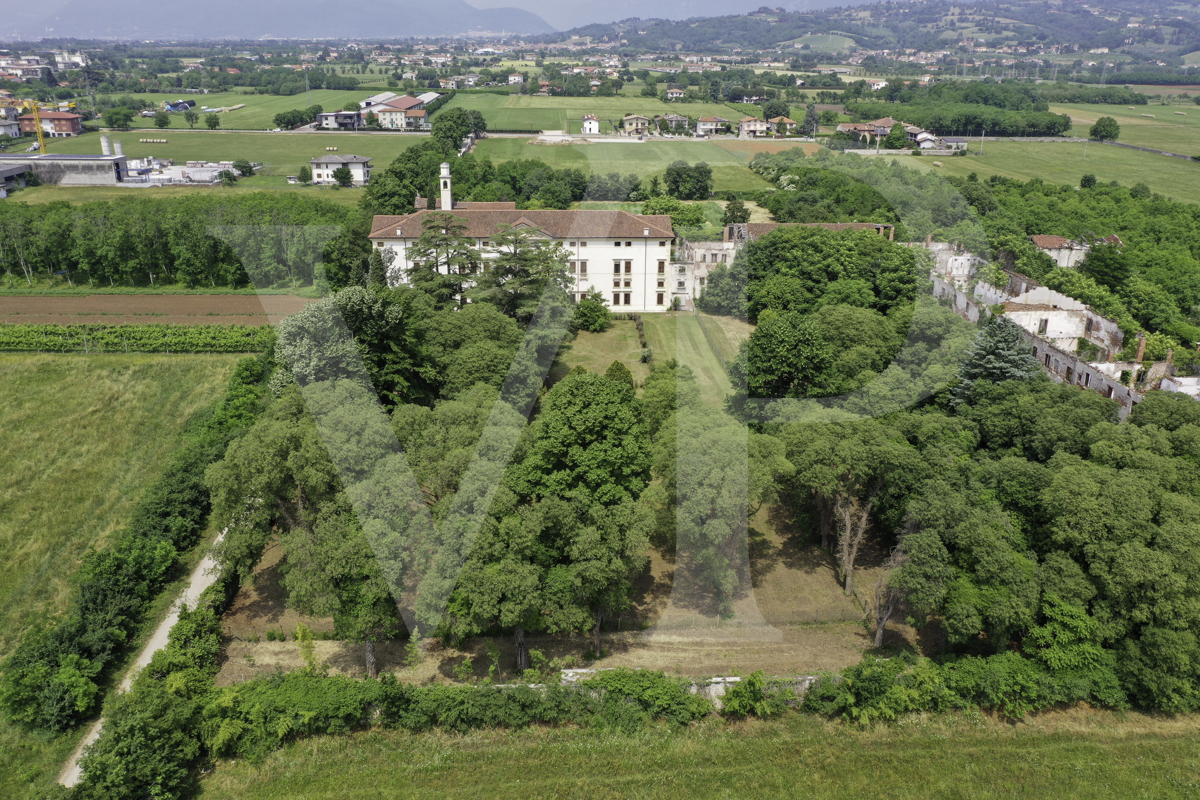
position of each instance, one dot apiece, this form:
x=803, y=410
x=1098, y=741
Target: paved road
x=204, y=576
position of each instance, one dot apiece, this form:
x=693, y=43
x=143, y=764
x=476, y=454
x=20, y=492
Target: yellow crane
x=37, y=118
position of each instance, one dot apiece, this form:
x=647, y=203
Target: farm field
x=1168, y=130
x=524, y=112
x=825, y=42
x=643, y=158
x=1077, y=753
x=177, y=309
x=259, y=113
x=1063, y=162
x=283, y=153
x=93, y=431
x=1152, y=89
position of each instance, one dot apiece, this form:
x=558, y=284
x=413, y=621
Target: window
x=628, y=283
x=660, y=298
x=583, y=268
x=662, y=284
x=628, y=267
x=379, y=244
x=629, y=244
x=627, y=298
x=682, y=270
x=616, y=244
x=704, y=258
x=1087, y=379
x=572, y=265
x=702, y=281
x=1047, y=360
x=662, y=268
x=616, y=299
x=724, y=257
x=662, y=244
x=679, y=285
x=1042, y=325
x=616, y=268
x=616, y=283
x=1088, y=327
x=570, y=244
x=1070, y=375
x=583, y=244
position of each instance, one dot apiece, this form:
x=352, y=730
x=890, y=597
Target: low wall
x=713, y=689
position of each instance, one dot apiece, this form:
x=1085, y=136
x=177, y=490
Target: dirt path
x=204, y=576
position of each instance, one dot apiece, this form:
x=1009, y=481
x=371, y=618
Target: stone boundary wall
x=712, y=689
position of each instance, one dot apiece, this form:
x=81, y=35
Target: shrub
x=591, y=314
x=750, y=698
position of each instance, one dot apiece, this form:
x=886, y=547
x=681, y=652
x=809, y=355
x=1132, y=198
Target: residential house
x=340, y=120
x=626, y=257
x=954, y=143
x=324, y=166
x=409, y=75
x=875, y=86
x=10, y=127
x=403, y=116
x=781, y=125
x=752, y=127
x=635, y=124
x=676, y=94
x=515, y=77
x=707, y=126
x=448, y=83
x=55, y=124
x=591, y=124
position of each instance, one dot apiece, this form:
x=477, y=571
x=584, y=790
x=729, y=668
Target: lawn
x=282, y=153
x=260, y=110
x=596, y=351
x=1077, y=754
x=680, y=336
x=516, y=112
x=643, y=158
x=1063, y=162
x=81, y=437
x=1168, y=130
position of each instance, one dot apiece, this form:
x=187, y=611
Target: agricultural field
x=1192, y=59
x=1063, y=162
x=516, y=112
x=1166, y=130
x=1085, y=754
x=258, y=114
x=646, y=159
x=1153, y=89
x=94, y=431
x=173, y=309
x=824, y=42
x=282, y=153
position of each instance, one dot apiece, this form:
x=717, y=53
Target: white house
x=341, y=120
x=626, y=257
x=323, y=167
x=591, y=124
x=752, y=127
x=676, y=94
x=515, y=77
x=10, y=128
x=706, y=126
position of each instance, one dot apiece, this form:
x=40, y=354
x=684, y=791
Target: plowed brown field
x=111, y=309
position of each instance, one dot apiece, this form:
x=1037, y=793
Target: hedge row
x=54, y=677
x=441, y=101
x=136, y=338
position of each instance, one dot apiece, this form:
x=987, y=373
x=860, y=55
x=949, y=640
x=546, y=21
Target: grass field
x=825, y=42
x=1152, y=89
x=1175, y=133
x=679, y=336
x=643, y=158
x=284, y=153
x=81, y=437
x=1063, y=162
x=595, y=351
x=260, y=110
x=1075, y=754
x=524, y=112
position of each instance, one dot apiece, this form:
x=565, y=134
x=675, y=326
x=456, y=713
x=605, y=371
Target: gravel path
x=204, y=576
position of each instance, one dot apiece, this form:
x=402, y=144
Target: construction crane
x=37, y=117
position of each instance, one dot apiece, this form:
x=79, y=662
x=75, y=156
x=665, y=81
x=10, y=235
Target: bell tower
x=447, y=200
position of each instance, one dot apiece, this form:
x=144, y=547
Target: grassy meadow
x=1064, y=163
x=81, y=437
x=643, y=158
x=283, y=153
x=1175, y=129
x=526, y=112
x=1075, y=754
x=260, y=110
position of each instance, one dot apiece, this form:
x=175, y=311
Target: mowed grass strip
x=1063, y=162
x=596, y=351
x=645, y=159
x=678, y=335
x=1163, y=130
x=516, y=112
x=1074, y=754
x=82, y=436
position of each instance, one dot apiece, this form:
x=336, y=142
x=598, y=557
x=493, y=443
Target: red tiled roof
x=581, y=224
x=1049, y=242
x=52, y=115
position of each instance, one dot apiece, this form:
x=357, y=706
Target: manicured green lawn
x=1063, y=162
x=527, y=112
x=678, y=335
x=284, y=153
x=799, y=756
x=1168, y=130
x=643, y=158
x=260, y=110
x=596, y=351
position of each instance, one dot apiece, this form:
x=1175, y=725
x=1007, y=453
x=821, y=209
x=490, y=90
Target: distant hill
x=284, y=19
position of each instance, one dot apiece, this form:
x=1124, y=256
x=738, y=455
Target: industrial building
x=108, y=169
